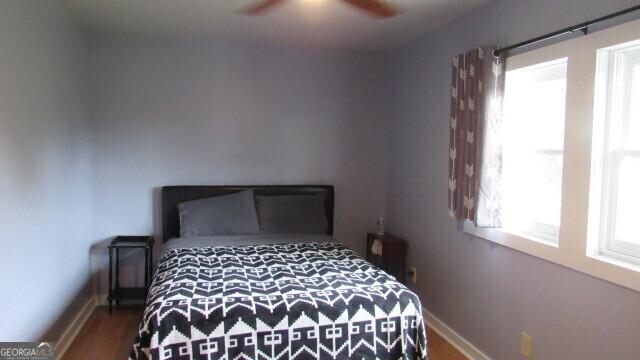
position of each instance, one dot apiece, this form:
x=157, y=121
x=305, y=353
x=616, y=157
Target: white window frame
x=609, y=102
x=573, y=250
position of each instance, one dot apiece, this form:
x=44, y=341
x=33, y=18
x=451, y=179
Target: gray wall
x=44, y=171
x=489, y=293
x=178, y=112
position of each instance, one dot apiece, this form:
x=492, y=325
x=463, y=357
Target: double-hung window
x=533, y=144
x=571, y=155
x=616, y=151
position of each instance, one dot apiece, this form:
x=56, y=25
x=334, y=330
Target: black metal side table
x=116, y=293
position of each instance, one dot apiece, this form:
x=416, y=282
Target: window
x=571, y=155
x=616, y=149
x=533, y=145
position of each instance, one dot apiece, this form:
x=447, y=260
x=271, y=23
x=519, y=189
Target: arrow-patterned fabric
x=283, y=301
x=475, y=151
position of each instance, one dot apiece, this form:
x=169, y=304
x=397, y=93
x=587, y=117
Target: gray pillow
x=233, y=214
x=292, y=214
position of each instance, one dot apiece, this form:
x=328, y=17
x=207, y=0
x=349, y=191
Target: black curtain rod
x=584, y=27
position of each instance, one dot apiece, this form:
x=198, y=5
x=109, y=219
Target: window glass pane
x=531, y=193
x=533, y=133
x=535, y=105
x=628, y=202
x=633, y=135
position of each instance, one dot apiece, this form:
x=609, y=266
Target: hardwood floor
x=440, y=349
x=105, y=337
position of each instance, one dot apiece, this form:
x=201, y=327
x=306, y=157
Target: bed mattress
x=298, y=298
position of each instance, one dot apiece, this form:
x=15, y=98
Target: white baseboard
x=101, y=300
x=455, y=339
x=62, y=345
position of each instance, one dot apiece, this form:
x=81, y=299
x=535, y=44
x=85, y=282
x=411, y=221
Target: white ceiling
x=324, y=23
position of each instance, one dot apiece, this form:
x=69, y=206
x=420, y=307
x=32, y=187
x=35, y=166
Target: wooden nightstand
x=116, y=293
x=393, y=258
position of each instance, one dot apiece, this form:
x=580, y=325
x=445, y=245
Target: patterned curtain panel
x=475, y=151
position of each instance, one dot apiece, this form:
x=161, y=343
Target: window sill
x=569, y=254
x=616, y=260
x=539, y=248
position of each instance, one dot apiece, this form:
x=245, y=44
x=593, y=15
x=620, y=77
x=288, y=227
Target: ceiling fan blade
x=261, y=7
x=374, y=7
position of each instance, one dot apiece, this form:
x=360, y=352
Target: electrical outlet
x=413, y=274
x=526, y=345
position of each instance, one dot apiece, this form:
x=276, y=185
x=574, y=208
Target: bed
x=272, y=295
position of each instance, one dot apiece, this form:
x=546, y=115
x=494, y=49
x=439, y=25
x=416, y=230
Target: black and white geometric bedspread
x=291, y=301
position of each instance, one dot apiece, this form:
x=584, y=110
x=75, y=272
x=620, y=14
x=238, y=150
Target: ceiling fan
x=376, y=8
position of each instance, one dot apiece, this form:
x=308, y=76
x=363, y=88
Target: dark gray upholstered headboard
x=174, y=195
